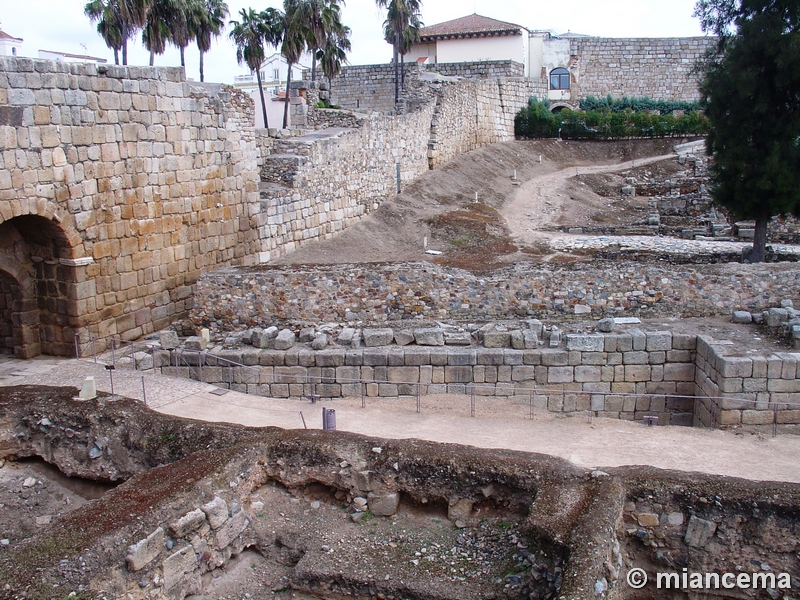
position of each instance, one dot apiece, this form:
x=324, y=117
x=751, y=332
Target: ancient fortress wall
x=316, y=185
x=139, y=180
x=660, y=68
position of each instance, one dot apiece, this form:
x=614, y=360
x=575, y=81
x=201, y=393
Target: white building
x=67, y=57
x=9, y=45
x=479, y=38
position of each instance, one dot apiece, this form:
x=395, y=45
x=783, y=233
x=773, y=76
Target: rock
x=429, y=336
x=377, y=337
x=168, y=339
x=216, y=512
x=535, y=325
x=44, y=520
x=776, y=316
x=530, y=340
x=582, y=309
x=144, y=551
x=675, y=518
x=457, y=338
x=597, y=474
x=404, y=337
x=360, y=503
x=307, y=334
x=350, y=316
x=647, y=519
x=555, y=338
x=460, y=524
x=699, y=532
x=357, y=516
x=741, y=316
x=605, y=325
x=459, y=509
x=383, y=505
x=497, y=339
x=365, y=481
x=284, y=340
x=346, y=336
x=320, y=341
x=628, y=190
x=195, y=342
x=188, y=523
x=29, y=482
x=517, y=340
x=585, y=342
x=260, y=339
x=787, y=304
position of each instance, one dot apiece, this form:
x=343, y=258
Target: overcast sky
x=60, y=25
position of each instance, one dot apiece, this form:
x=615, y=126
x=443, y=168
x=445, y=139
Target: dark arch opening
x=557, y=109
x=35, y=287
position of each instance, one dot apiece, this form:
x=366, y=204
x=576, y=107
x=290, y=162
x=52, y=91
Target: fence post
x=144, y=392
x=77, y=346
x=531, y=399
x=114, y=351
x=94, y=348
x=419, y=407
x=471, y=399
x=363, y=394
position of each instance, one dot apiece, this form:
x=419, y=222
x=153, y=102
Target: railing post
x=144, y=392
x=77, y=346
x=94, y=348
x=419, y=403
x=472, y=400
x=363, y=394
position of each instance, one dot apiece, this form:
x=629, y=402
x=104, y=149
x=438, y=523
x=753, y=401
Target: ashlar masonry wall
x=122, y=184
x=660, y=68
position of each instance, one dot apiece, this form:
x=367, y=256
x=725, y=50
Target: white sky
x=60, y=25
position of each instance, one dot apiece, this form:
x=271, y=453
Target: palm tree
x=210, y=24
x=249, y=36
x=320, y=19
x=163, y=16
x=109, y=23
x=399, y=15
x=334, y=53
x=409, y=37
x=126, y=16
x=182, y=30
x=295, y=36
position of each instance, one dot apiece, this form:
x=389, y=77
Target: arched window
x=559, y=79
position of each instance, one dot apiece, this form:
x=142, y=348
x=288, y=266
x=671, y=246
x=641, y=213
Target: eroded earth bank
x=282, y=513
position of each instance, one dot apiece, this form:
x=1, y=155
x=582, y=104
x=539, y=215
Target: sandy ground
x=498, y=423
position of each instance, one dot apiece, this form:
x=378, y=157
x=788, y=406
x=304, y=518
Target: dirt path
x=545, y=200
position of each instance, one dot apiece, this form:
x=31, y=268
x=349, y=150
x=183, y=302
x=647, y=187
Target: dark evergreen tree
x=752, y=90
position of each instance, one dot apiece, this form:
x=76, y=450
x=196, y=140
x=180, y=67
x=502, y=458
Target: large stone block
x=699, y=532
x=284, y=340
x=216, y=512
x=659, y=341
x=177, y=566
x=382, y=504
x=188, y=523
x=429, y=336
x=585, y=342
x=377, y=337
x=497, y=339
x=231, y=529
x=144, y=551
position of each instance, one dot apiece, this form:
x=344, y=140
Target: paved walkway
x=660, y=244
x=500, y=423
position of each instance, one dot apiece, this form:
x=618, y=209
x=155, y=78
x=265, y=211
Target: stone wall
x=118, y=186
x=229, y=298
x=489, y=69
x=314, y=186
x=660, y=68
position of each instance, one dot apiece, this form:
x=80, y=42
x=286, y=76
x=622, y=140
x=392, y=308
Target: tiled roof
x=5, y=36
x=470, y=26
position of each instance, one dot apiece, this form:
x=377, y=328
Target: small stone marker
x=89, y=389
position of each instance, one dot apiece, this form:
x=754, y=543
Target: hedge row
x=637, y=104
x=536, y=121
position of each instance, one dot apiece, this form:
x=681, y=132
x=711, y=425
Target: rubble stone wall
x=660, y=68
x=140, y=179
x=229, y=298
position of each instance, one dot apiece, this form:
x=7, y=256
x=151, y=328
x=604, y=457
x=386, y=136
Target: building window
x=276, y=74
x=559, y=79
x=13, y=51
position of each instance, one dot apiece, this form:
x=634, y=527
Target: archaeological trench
x=139, y=206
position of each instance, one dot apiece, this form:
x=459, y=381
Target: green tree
x=408, y=38
x=398, y=15
x=249, y=35
x=118, y=21
x=751, y=86
x=294, y=42
x=210, y=24
x=319, y=20
x=334, y=54
x=183, y=29
x=163, y=17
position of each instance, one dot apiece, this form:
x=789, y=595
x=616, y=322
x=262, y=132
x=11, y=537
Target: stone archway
x=36, y=281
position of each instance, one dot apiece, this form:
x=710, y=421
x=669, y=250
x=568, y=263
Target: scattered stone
x=216, y=512
x=605, y=325
x=383, y=505
x=457, y=338
x=284, y=340
x=530, y=340
x=597, y=474
x=787, y=304
x=742, y=317
x=582, y=309
x=585, y=342
x=647, y=519
x=517, y=340
x=141, y=553
x=360, y=503
x=168, y=339
x=357, y=516
x=776, y=316
x=404, y=337
x=429, y=336
x=675, y=518
x=307, y=334
x=195, y=342
x=44, y=520
x=628, y=190
x=346, y=336
x=188, y=523
x=377, y=337
x=555, y=338
x=699, y=532
x=320, y=341
x=350, y=316
x=260, y=339
x=29, y=482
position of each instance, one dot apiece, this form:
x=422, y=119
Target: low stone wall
x=680, y=378
x=751, y=389
x=479, y=69
x=230, y=298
